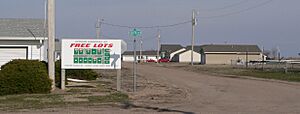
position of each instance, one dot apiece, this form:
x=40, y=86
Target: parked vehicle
x=163, y=60
x=150, y=61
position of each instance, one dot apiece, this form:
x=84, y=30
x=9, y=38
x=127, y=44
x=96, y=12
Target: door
x=8, y=54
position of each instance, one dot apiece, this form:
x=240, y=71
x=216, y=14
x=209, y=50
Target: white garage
x=22, y=39
x=8, y=54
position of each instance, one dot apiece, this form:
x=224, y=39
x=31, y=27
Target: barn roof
x=226, y=48
x=150, y=52
x=170, y=48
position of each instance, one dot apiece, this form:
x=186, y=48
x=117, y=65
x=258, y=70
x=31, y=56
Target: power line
x=146, y=27
x=226, y=7
x=238, y=12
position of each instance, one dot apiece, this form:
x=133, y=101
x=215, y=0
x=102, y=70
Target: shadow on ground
x=127, y=105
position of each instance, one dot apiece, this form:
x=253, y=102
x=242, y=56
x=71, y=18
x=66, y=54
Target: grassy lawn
x=39, y=101
x=75, y=96
x=94, y=93
x=278, y=74
x=270, y=74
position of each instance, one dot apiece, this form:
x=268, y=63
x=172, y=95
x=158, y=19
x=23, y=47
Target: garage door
x=7, y=54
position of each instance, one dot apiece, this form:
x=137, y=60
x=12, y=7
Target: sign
x=91, y=54
x=135, y=32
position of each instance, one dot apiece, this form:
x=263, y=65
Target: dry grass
x=269, y=72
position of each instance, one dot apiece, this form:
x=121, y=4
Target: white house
x=185, y=56
x=22, y=39
x=220, y=54
x=143, y=56
x=169, y=50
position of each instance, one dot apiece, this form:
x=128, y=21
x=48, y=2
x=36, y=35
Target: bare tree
x=268, y=54
x=274, y=53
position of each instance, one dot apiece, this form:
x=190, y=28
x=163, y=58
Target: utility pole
x=51, y=41
x=263, y=58
x=158, y=44
x=141, y=48
x=98, y=25
x=193, y=37
x=278, y=55
x=247, y=59
x=134, y=65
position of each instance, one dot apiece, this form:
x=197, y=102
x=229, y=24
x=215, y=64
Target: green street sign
x=135, y=32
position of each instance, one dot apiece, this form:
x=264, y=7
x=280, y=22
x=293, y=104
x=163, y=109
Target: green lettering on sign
x=91, y=56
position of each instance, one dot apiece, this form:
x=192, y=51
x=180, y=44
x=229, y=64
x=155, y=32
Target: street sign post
x=134, y=33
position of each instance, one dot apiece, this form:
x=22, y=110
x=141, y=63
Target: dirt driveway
x=213, y=94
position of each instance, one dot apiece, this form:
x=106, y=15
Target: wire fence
x=279, y=66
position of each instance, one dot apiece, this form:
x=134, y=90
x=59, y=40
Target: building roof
x=226, y=48
x=14, y=27
x=170, y=48
x=149, y=52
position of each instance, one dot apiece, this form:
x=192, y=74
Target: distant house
x=145, y=55
x=185, y=55
x=230, y=53
x=220, y=54
x=169, y=50
x=22, y=39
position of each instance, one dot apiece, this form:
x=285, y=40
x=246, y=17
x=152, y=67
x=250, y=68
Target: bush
x=57, y=74
x=83, y=74
x=24, y=76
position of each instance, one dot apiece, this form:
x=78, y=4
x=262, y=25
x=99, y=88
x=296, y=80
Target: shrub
x=83, y=74
x=24, y=76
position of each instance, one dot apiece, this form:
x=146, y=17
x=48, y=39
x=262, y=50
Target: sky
x=266, y=23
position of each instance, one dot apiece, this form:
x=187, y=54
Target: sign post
x=91, y=54
x=119, y=74
x=63, y=79
x=135, y=33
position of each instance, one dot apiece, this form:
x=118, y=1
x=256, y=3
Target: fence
x=283, y=65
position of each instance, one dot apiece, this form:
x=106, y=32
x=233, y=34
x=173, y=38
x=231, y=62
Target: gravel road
x=213, y=94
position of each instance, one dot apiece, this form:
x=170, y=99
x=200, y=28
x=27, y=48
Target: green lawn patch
x=293, y=75
x=114, y=97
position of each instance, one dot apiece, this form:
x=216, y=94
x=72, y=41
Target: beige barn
x=229, y=54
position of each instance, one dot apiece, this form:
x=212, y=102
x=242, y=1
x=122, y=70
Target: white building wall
x=153, y=57
x=145, y=57
x=186, y=57
x=34, y=52
x=128, y=58
x=178, y=51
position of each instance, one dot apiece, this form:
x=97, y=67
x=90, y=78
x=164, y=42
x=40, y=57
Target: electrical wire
x=147, y=27
x=225, y=7
x=238, y=12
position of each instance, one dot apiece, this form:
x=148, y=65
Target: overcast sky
x=268, y=23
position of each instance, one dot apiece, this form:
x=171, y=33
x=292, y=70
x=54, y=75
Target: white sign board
x=91, y=54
